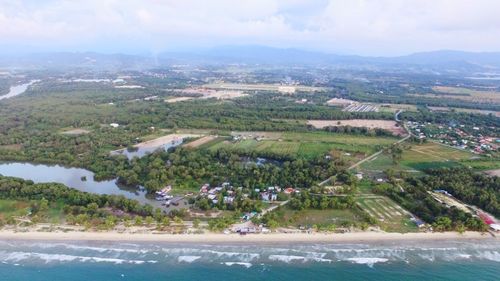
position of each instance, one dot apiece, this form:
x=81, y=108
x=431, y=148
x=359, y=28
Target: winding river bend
x=71, y=177
x=17, y=90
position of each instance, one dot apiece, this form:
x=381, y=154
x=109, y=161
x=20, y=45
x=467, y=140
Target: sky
x=361, y=27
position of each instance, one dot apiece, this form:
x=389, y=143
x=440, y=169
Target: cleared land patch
x=495, y=173
x=310, y=217
x=417, y=158
x=302, y=144
x=464, y=94
x=15, y=147
x=388, y=125
x=263, y=87
x=76, y=131
x=179, y=99
x=205, y=93
x=466, y=110
x=200, y=141
x=391, y=216
x=164, y=140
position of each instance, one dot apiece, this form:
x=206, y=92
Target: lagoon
x=72, y=177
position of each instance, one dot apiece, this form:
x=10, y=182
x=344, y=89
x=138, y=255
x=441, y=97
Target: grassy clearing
x=14, y=147
x=435, y=152
x=319, y=217
x=482, y=164
x=390, y=216
x=418, y=158
x=471, y=95
x=10, y=208
x=307, y=144
x=20, y=208
x=384, y=107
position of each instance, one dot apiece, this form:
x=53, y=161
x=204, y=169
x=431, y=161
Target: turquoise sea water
x=471, y=260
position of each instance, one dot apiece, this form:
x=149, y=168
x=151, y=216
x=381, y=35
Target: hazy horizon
x=360, y=27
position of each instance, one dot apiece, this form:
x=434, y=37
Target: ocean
x=96, y=261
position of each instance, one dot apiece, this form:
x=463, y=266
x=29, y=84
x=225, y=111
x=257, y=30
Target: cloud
x=382, y=27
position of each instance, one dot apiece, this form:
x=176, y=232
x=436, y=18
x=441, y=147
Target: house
x=114, y=125
x=204, y=188
x=228, y=200
x=268, y=196
x=359, y=176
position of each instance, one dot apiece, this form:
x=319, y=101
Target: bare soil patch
x=178, y=99
x=340, y=102
x=77, y=131
x=16, y=147
x=200, y=141
x=493, y=172
x=164, y=140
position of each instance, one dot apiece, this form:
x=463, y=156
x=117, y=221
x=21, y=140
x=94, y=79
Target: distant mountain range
x=457, y=60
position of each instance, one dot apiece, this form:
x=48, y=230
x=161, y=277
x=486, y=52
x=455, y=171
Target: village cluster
x=227, y=194
x=456, y=135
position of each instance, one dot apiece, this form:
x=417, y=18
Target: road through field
x=396, y=117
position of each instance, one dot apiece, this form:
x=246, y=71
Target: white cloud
x=355, y=26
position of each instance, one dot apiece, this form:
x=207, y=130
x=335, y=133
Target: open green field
x=10, y=208
x=307, y=144
x=418, y=158
x=20, y=208
x=482, y=164
x=390, y=216
x=311, y=217
x=465, y=94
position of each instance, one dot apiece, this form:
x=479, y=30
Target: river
x=18, y=89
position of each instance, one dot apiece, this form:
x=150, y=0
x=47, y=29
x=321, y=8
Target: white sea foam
x=367, y=261
x=285, y=258
x=489, y=255
x=318, y=259
x=245, y=264
x=241, y=256
x=188, y=259
x=428, y=257
x=89, y=248
x=48, y=258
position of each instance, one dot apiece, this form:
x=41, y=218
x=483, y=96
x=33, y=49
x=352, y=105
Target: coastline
x=355, y=237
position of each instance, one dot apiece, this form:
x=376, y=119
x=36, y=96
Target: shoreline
x=305, y=238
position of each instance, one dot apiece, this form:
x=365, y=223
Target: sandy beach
x=236, y=238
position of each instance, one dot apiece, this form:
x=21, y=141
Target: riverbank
x=354, y=237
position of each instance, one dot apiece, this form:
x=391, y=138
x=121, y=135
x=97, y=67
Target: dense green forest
x=75, y=202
